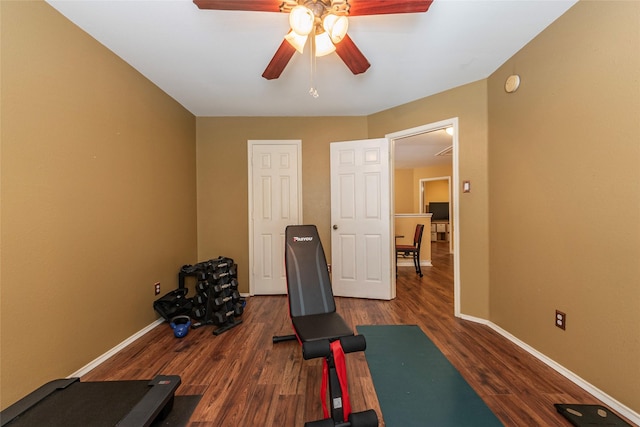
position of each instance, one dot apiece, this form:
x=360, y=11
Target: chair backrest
x=308, y=282
x=417, y=237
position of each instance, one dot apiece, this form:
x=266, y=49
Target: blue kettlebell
x=180, y=325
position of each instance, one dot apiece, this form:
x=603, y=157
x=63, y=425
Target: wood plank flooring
x=245, y=380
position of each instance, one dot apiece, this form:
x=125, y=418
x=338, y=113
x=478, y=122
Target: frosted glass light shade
x=296, y=40
x=324, y=45
x=336, y=26
x=302, y=20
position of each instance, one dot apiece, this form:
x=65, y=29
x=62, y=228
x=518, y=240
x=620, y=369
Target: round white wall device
x=512, y=83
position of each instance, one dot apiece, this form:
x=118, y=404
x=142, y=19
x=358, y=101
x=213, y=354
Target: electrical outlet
x=561, y=320
x=156, y=288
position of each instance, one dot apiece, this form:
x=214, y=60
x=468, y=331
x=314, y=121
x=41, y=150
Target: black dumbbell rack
x=217, y=300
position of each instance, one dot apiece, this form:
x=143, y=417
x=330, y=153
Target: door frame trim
x=250, y=144
x=452, y=122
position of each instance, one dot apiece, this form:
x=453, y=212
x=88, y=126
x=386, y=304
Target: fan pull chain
x=313, y=91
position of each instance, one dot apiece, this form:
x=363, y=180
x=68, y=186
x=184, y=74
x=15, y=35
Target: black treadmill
x=69, y=402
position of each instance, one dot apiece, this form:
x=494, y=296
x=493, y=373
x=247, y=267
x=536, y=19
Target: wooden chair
x=413, y=250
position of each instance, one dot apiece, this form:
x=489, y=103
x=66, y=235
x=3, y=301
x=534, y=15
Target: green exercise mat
x=415, y=383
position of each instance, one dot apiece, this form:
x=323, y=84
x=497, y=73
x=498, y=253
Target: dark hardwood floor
x=245, y=380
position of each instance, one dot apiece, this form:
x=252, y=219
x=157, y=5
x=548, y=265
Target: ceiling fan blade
x=351, y=55
x=248, y=5
x=279, y=61
x=383, y=7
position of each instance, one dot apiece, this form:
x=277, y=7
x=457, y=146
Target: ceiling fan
x=322, y=22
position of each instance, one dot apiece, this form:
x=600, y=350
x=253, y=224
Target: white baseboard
x=618, y=407
x=409, y=263
x=88, y=367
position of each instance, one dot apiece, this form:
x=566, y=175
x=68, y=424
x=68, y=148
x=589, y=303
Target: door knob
x=335, y=226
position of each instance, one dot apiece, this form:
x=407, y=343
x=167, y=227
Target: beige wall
x=565, y=195
x=436, y=191
x=403, y=191
x=98, y=197
x=222, y=161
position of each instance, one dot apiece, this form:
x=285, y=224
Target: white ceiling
x=211, y=62
x=423, y=150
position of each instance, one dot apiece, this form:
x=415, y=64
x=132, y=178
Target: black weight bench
x=69, y=402
x=318, y=327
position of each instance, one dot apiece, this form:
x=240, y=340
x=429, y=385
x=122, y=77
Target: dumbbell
x=238, y=309
x=199, y=312
x=219, y=288
x=229, y=272
x=221, y=317
x=201, y=298
x=235, y=296
x=202, y=286
x=221, y=262
x=236, y=306
x=233, y=283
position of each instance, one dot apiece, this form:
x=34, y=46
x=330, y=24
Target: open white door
x=361, y=219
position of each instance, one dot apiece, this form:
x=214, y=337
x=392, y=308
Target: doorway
x=396, y=138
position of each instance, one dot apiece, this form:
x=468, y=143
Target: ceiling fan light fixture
x=336, y=26
x=324, y=45
x=302, y=20
x=296, y=40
